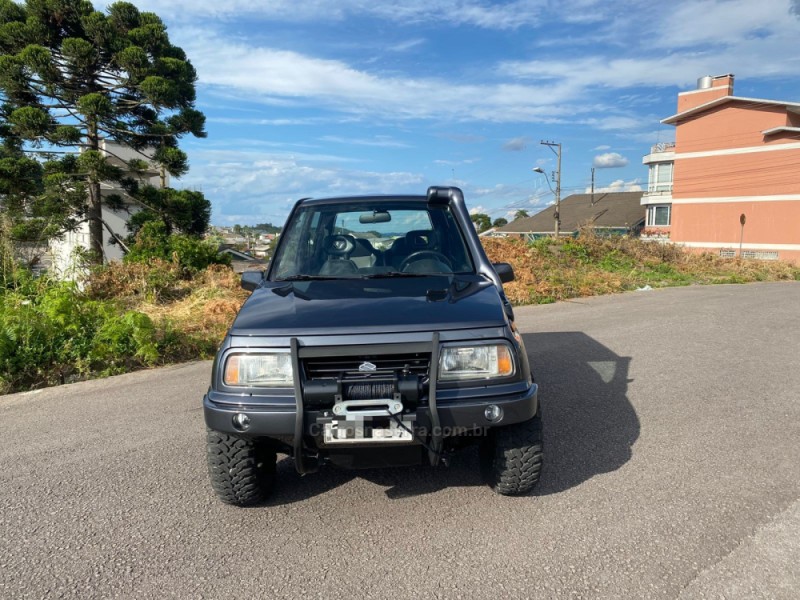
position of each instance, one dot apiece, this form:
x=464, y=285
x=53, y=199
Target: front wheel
x=242, y=470
x=511, y=457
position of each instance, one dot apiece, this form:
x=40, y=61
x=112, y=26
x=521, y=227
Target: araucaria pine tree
x=71, y=76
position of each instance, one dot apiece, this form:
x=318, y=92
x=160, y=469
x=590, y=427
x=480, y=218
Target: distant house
x=261, y=250
x=241, y=261
x=730, y=179
x=606, y=212
x=61, y=251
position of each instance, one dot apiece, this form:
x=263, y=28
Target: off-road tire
x=242, y=470
x=511, y=457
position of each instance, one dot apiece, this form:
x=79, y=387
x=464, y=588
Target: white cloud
x=379, y=141
x=617, y=123
x=455, y=163
x=609, y=160
x=603, y=147
x=517, y=144
x=252, y=186
x=509, y=15
x=264, y=74
x=406, y=46
x=618, y=185
x=545, y=91
x=269, y=122
x=720, y=21
x=749, y=50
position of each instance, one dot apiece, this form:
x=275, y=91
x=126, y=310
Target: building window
x=659, y=215
x=660, y=177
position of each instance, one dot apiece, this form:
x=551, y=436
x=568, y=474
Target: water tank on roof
x=704, y=82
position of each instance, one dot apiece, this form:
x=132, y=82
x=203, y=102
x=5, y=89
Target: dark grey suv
x=379, y=336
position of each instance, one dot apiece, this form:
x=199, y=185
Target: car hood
x=370, y=306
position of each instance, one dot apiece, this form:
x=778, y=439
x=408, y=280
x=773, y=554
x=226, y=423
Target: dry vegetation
x=196, y=311
x=548, y=270
x=200, y=310
x=144, y=314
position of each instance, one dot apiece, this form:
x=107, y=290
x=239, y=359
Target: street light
x=558, y=199
x=546, y=178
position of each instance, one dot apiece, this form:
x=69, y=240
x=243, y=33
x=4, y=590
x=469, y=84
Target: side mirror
x=252, y=280
x=504, y=271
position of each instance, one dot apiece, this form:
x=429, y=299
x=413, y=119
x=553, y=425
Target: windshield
x=370, y=239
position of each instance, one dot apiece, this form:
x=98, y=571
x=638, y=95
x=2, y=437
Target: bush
x=191, y=254
x=123, y=342
x=51, y=333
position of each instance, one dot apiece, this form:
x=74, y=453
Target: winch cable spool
x=369, y=391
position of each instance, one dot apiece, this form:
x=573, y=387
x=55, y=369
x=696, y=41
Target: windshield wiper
x=308, y=278
x=394, y=274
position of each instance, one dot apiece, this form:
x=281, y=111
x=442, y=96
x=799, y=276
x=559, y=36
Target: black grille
x=385, y=364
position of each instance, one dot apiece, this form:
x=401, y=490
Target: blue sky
x=339, y=97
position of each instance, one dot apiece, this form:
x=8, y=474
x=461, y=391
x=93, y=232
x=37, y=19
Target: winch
x=323, y=392
x=367, y=408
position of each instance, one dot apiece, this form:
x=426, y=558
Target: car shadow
x=400, y=482
x=589, y=428
x=590, y=425
x=293, y=487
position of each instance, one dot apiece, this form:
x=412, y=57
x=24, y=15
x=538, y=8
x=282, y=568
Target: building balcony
x=657, y=194
x=662, y=152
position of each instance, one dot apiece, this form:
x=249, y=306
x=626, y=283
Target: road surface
x=672, y=470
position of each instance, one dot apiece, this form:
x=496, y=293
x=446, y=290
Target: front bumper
x=455, y=416
x=300, y=419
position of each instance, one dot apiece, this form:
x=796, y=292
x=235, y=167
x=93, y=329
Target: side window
x=297, y=249
x=452, y=239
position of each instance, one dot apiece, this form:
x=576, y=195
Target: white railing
x=662, y=147
x=658, y=189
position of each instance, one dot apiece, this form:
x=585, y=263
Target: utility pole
x=557, y=215
x=592, y=186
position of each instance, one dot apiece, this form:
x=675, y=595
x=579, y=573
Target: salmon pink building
x=731, y=180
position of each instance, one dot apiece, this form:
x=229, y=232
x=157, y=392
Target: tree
x=520, y=214
x=71, y=75
x=500, y=222
x=183, y=211
x=482, y=222
x=270, y=228
x=38, y=202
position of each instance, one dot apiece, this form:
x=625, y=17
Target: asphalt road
x=672, y=428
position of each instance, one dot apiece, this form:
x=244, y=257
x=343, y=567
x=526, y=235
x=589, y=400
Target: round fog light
x=493, y=413
x=241, y=421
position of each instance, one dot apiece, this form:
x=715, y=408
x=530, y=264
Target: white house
x=61, y=251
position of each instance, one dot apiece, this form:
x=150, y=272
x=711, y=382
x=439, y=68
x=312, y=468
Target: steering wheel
x=339, y=245
x=422, y=255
